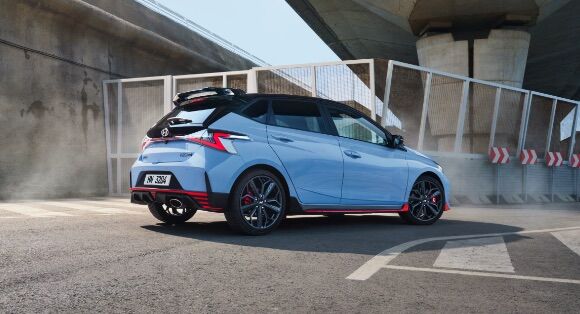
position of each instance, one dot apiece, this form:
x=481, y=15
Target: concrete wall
x=473, y=181
x=553, y=63
x=54, y=55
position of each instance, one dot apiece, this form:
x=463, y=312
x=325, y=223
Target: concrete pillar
x=500, y=58
x=442, y=52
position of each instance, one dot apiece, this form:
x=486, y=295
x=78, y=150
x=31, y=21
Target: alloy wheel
x=426, y=200
x=261, y=202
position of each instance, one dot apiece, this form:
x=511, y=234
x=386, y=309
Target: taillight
x=217, y=140
x=146, y=142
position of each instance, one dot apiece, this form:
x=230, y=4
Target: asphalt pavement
x=107, y=255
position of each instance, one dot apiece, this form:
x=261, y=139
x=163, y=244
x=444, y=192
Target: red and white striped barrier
x=528, y=156
x=575, y=161
x=554, y=159
x=499, y=155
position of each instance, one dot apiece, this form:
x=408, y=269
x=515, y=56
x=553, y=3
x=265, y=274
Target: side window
x=356, y=127
x=257, y=111
x=301, y=115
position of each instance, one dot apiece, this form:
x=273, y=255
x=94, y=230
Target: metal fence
x=461, y=115
x=441, y=114
x=131, y=106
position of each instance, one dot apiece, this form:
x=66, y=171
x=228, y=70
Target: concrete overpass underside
x=408, y=30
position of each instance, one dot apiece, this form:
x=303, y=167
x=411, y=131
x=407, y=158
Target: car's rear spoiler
x=187, y=97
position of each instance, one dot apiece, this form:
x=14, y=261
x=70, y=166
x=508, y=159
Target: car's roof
x=260, y=95
x=252, y=96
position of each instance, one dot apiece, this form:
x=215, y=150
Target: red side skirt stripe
x=403, y=209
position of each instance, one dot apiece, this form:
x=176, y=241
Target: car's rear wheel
x=170, y=215
x=257, y=204
x=426, y=202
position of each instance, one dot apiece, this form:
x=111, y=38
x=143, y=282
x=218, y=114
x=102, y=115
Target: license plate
x=157, y=179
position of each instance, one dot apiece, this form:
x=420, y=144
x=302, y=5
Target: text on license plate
x=157, y=179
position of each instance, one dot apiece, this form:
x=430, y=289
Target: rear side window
x=195, y=116
x=257, y=111
x=301, y=115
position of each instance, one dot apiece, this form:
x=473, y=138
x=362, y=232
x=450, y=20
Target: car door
x=313, y=159
x=374, y=174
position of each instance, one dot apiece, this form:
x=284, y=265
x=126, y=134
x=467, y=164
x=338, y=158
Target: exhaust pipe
x=175, y=203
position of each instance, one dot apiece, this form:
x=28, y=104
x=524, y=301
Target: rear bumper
x=197, y=200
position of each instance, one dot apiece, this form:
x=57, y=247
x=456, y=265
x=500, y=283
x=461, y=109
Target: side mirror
x=398, y=141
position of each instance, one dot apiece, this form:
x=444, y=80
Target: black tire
x=169, y=215
x=426, y=202
x=251, y=209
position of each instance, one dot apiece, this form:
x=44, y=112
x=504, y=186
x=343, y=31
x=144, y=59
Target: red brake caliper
x=248, y=198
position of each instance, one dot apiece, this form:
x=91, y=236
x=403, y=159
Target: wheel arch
x=428, y=173
x=425, y=173
x=271, y=169
x=433, y=175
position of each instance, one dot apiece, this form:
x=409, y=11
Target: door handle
x=352, y=154
x=282, y=139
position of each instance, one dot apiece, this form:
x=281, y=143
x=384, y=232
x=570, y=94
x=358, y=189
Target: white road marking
x=119, y=200
x=382, y=259
x=96, y=209
x=570, y=238
x=482, y=274
x=486, y=254
x=114, y=204
x=31, y=210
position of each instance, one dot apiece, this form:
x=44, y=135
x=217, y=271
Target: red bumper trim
x=201, y=198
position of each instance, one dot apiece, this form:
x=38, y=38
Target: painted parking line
x=570, y=238
x=383, y=259
x=31, y=211
x=482, y=274
x=485, y=254
x=114, y=204
x=90, y=208
x=118, y=200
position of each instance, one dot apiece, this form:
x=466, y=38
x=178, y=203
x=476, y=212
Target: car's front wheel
x=257, y=203
x=170, y=214
x=426, y=202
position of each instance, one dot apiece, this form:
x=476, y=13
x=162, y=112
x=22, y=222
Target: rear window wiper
x=177, y=120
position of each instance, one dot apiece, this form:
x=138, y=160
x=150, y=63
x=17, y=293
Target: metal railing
x=442, y=114
x=462, y=115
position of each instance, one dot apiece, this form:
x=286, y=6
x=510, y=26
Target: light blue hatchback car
x=257, y=158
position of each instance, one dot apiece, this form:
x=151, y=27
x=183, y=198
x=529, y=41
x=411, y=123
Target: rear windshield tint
x=257, y=111
x=193, y=117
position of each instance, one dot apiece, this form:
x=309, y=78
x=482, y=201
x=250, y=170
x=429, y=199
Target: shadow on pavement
x=351, y=234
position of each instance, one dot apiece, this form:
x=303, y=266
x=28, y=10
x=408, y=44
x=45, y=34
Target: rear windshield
x=193, y=117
